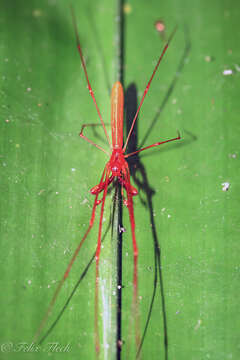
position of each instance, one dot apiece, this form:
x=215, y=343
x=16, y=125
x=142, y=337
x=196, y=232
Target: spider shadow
x=139, y=175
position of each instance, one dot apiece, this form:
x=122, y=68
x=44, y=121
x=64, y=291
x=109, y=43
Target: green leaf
x=47, y=172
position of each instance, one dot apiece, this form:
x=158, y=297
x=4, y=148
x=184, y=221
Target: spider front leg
x=89, y=140
x=100, y=187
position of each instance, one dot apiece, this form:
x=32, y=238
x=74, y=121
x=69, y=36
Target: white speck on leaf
x=225, y=186
x=208, y=58
x=237, y=67
x=122, y=229
x=66, y=251
x=198, y=324
x=37, y=13
x=84, y=202
x=227, y=72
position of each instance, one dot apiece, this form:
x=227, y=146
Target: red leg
x=56, y=293
x=153, y=145
x=86, y=75
x=135, y=305
x=100, y=187
x=128, y=187
x=147, y=88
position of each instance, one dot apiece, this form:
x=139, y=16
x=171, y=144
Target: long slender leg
x=135, y=305
x=86, y=75
x=153, y=145
x=128, y=188
x=90, y=141
x=56, y=293
x=97, y=341
x=147, y=88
